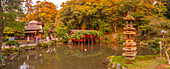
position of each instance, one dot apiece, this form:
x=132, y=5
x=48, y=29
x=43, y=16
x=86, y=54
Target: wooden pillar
x=160, y=49
x=131, y=37
x=127, y=24
x=131, y=25
x=84, y=39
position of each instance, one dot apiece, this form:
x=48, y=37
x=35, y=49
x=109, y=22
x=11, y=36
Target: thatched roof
x=33, y=21
x=31, y=31
x=32, y=26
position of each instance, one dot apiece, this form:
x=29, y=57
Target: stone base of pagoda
x=129, y=55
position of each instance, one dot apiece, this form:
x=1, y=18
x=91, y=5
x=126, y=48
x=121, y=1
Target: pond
x=69, y=57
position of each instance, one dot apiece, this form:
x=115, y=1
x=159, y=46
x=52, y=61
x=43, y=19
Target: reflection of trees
x=83, y=54
x=81, y=51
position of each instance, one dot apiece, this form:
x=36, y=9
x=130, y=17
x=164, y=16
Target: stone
x=129, y=32
x=113, y=65
x=129, y=28
x=118, y=66
x=129, y=49
x=129, y=43
x=129, y=53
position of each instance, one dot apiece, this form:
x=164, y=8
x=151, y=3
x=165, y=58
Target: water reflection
x=24, y=66
x=69, y=57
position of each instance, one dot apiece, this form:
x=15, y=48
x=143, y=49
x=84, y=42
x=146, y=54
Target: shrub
x=17, y=44
x=8, y=51
x=12, y=43
x=1, y=58
x=121, y=41
x=154, y=43
x=39, y=44
x=53, y=43
x=45, y=45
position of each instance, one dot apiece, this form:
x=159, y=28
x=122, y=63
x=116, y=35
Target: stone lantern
x=130, y=49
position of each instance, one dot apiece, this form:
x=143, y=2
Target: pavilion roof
x=31, y=31
x=34, y=21
x=32, y=26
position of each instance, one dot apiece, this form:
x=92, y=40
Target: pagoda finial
x=129, y=17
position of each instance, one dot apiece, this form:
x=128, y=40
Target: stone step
x=129, y=48
x=129, y=53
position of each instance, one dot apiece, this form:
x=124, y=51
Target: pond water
x=69, y=57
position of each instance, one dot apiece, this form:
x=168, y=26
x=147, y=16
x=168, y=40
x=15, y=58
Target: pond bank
x=141, y=62
x=9, y=53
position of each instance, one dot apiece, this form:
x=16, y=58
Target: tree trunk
x=114, y=25
x=1, y=27
x=100, y=39
x=91, y=40
x=138, y=25
x=166, y=52
x=160, y=50
x=55, y=36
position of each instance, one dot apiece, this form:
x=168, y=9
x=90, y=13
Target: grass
x=141, y=62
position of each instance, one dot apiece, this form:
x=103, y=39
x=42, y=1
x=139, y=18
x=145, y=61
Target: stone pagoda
x=130, y=49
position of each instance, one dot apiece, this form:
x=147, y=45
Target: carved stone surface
x=129, y=48
x=129, y=28
x=129, y=53
x=129, y=32
x=129, y=43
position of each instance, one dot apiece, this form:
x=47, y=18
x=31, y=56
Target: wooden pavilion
x=33, y=28
x=84, y=38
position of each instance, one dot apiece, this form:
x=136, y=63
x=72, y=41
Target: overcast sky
x=56, y=2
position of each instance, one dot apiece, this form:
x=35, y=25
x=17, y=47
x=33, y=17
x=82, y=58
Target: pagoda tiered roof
x=32, y=27
x=129, y=28
x=129, y=32
x=129, y=53
x=129, y=48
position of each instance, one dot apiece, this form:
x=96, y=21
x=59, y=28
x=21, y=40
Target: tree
x=9, y=11
x=44, y=12
x=48, y=28
x=61, y=31
x=70, y=16
x=168, y=9
x=156, y=24
x=1, y=26
x=7, y=31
